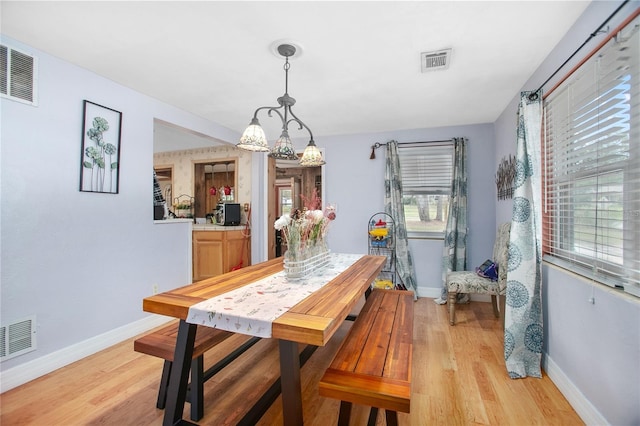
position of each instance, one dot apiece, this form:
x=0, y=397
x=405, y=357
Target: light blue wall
x=591, y=351
x=356, y=184
x=82, y=262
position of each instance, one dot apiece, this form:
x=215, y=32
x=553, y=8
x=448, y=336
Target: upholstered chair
x=471, y=282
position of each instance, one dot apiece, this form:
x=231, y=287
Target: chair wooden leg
x=494, y=302
x=503, y=302
x=452, y=307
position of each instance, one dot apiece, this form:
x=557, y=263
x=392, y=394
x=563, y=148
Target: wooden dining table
x=312, y=321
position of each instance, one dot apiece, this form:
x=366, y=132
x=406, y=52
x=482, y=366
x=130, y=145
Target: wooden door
x=296, y=187
x=272, y=208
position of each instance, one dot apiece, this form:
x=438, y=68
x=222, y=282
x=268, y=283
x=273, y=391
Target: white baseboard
x=38, y=367
x=431, y=292
x=587, y=412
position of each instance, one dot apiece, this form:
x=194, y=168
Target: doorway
x=288, y=181
x=287, y=190
x=215, y=181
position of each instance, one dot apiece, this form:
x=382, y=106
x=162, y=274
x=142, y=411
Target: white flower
x=314, y=216
x=282, y=222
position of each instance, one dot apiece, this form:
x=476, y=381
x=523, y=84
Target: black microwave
x=230, y=214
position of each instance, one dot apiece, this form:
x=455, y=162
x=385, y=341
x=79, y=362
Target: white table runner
x=253, y=308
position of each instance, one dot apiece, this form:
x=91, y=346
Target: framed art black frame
x=100, y=150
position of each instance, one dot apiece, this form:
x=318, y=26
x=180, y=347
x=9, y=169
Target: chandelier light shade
x=254, y=138
x=311, y=156
x=283, y=148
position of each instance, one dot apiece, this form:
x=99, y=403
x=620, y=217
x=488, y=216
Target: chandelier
x=254, y=138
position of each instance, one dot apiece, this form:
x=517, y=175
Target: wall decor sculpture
x=100, y=155
x=505, y=176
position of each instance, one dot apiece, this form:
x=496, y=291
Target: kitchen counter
x=201, y=226
x=212, y=227
x=172, y=221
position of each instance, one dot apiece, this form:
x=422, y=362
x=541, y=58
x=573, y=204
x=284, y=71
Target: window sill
x=425, y=236
x=630, y=291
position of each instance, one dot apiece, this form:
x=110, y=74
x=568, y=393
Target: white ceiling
x=359, y=70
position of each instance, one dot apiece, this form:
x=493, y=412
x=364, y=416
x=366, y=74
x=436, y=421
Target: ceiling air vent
x=18, y=338
x=433, y=61
x=17, y=75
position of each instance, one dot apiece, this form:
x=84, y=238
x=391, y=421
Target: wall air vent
x=18, y=338
x=18, y=75
x=433, y=61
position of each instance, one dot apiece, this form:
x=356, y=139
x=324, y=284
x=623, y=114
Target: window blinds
x=427, y=168
x=592, y=165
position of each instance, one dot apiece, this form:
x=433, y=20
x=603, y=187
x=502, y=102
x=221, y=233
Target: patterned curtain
x=523, y=313
x=454, y=256
x=393, y=206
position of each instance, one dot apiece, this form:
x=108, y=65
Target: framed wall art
x=100, y=156
x=505, y=177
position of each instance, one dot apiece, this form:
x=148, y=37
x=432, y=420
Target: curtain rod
x=534, y=95
x=379, y=144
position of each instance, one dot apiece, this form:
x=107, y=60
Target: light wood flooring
x=459, y=378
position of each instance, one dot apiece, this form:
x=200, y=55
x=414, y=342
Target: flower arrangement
x=305, y=230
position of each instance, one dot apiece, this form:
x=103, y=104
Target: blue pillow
x=489, y=269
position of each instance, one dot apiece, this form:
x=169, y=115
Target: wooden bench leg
x=345, y=413
x=179, y=379
x=373, y=416
x=392, y=418
x=164, y=382
x=196, y=396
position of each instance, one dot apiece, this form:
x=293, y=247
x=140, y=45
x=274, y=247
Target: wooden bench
x=162, y=344
x=373, y=365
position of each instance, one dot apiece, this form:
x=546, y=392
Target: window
x=285, y=196
x=592, y=166
x=427, y=173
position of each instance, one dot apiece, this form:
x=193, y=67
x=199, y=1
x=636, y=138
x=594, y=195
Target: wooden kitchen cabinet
x=216, y=252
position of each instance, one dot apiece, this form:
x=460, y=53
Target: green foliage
x=100, y=124
x=109, y=149
x=97, y=154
